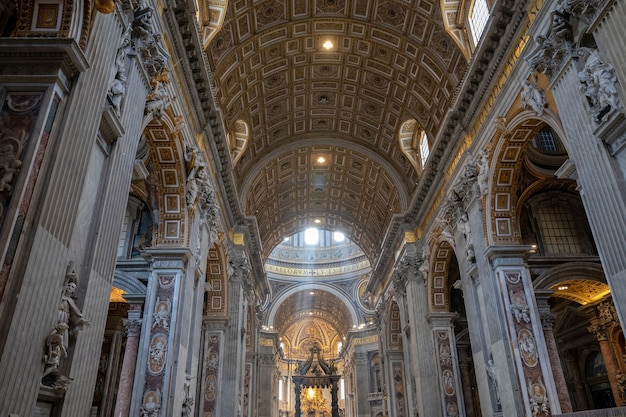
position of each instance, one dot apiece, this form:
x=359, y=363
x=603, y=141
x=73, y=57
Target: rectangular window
x=559, y=231
x=546, y=141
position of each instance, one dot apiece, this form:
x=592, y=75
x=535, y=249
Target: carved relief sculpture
x=9, y=163
x=528, y=348
x=158, y=354
x=538, y=399
x=151, y=406
x=583, y=9
x=519, y=307
x=553, y=47
x=162, y=313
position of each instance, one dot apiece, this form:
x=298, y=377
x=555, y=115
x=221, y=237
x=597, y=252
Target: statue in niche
x=490, y=367
x=187, y=408
x=69, y=320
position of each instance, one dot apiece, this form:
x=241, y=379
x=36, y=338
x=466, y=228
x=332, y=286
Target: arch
x=409, y=137
x=216, y=287
x=259, y=164
x=238, y=140
x=438, y=286
x=129, y=284
x=394, y=327
x=581, y=282
x=582, y=270
x=453, y=21
x=166, y=183
x=211, y=15
x=271, y=316
x=512, y=139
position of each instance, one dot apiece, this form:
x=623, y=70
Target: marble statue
x=483, y=172
x=490, y=367
x=598, y=83
x=621, y=384
x=69, y=319
x=533, y=97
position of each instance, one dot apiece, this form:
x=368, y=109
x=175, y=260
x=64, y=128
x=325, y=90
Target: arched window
x=478, y=16
x=238, y=140
x=559, y=224
x=424, y=149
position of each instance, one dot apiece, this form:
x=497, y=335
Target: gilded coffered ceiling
x=391, y=61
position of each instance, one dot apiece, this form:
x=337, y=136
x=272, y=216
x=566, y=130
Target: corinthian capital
x=238, y=268
x=133, y=327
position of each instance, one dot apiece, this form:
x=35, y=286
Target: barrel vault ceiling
x=391, y=62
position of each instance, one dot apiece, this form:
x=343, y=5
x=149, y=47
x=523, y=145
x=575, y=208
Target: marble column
x=547, y=322
x=334, y=388
x=127, y=376
x=465, y=364
x=297, y=388
x=600, y=329
x=573, y=366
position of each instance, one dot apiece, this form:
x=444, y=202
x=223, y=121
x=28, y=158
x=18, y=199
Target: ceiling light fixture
x=321, y=160
x=317, y=221
x=328, y=45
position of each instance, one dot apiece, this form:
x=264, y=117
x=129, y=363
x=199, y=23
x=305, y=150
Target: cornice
x=186, y=37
